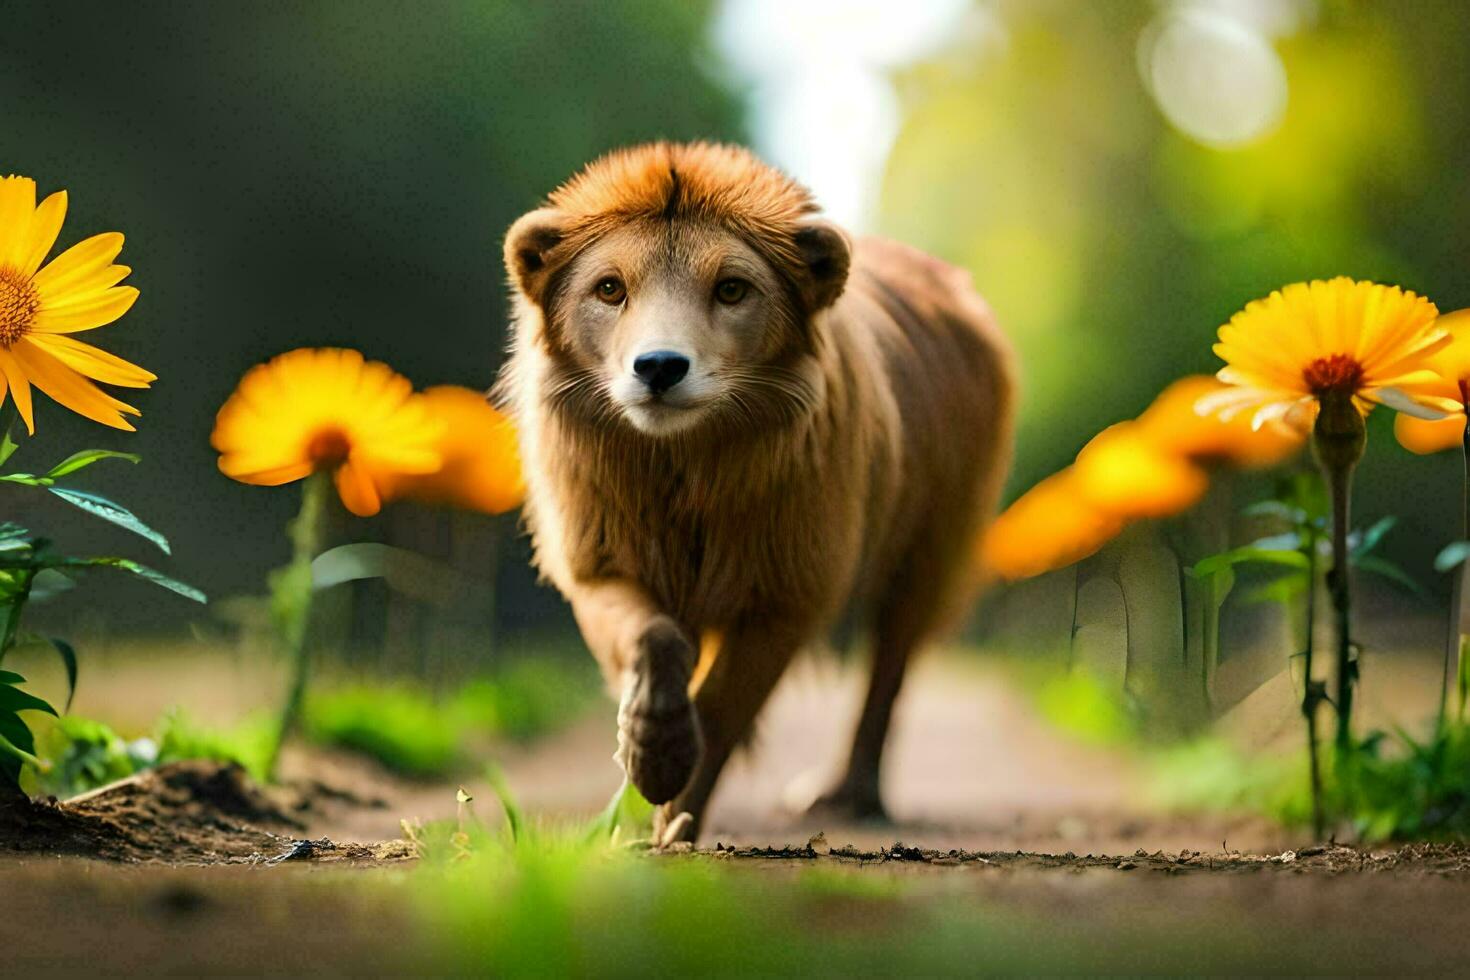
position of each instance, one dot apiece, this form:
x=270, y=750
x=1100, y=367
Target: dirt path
x=972, y=765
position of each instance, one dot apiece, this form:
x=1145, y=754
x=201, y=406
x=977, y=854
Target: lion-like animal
x=736, y=424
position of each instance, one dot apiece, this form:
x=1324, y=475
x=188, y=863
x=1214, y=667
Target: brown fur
x=851, y=454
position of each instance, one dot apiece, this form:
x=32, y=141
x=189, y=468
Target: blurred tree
x=296, y=174
x=1112, y=245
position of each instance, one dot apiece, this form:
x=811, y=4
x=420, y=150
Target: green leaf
x=29, y=479
x=1275, y=508
x=140, y=570
x=85, y=458
x=1373, y=535
x=12, y=754
x=1454, y=554
x=13, y=699
x=1290, y=541
x=496, y=778
x=1249, y=553
x=110, y=511
x=408, y=572
x=1384, y=568
x=68, y=656
x=49, y=583
x=1283, y=589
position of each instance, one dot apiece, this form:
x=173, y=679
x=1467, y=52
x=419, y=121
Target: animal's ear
x=826, y=253
x=530, y=249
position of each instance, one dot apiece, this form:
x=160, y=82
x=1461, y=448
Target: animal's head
x=678, y=285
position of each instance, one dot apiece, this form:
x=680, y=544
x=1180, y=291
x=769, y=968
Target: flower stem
x=1312, y=689
x=1462, y=668
x=291, y=594
x=1338, y=440
x=1455, y=641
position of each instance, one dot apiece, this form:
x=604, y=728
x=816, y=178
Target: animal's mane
x=711, y=182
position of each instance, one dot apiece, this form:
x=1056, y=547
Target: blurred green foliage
x=399, y=726
x=1112, y=245
x=1388, y=787
x=409, y=730
x=248, y=743
x=85, y=753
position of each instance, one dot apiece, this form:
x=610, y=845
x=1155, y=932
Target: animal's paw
x=659, y=742
x=671, y=829
x=850, y=802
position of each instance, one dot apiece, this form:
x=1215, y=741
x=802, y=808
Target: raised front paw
x=659, y=742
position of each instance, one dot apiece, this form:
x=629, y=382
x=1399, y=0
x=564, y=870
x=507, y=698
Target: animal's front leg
x=649, y=658
x=750, y=661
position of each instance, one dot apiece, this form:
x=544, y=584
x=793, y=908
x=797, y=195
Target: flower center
x=328, y=448
x=19, y=302
x=1340, y=372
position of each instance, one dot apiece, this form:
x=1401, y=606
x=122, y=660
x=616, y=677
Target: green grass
x=406, y=729
x=511, y=896
x=1389, y=787
x=399, y=726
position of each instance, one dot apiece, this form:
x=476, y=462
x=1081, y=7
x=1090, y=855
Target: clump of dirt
x=182, y=813
x=1422, y=858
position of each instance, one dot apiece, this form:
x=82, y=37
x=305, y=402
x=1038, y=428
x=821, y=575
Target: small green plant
x=86, y=754
x=31, y=570
x=249, y=743
x=1302, y=548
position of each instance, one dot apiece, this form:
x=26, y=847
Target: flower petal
x=355, y=487
x=96, y=310
x=20, y=389
x=69, y=388
x=1400, y=401
x=72, y=270
x=1423, y=436
x=45, y=226
x=93, y=362
x=17, y=211
x=270, y=477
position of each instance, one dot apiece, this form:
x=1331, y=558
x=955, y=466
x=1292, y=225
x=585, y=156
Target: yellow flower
x=482, y=465
x=1172, y=424
x=1452, y=364
x=326, y=409
x=76, y=291
x=1304, y=342
x=1050, y=526
x=1122, y=473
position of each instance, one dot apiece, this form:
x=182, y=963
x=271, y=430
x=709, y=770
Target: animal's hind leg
x=911, y=610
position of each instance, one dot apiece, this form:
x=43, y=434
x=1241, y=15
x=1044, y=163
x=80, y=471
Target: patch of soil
x=1330, y=859
x=181, y=813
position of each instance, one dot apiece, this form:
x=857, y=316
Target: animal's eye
x=611, y=290
x=731, y=291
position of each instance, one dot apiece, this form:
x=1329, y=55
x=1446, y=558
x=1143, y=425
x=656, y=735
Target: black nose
x=661, y=370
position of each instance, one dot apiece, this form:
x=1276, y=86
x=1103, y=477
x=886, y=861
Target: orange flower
x=41, y=306
x=1452, y=364
x=1123, y=473
x=311, y=410
x=1173, y=424
x=1050, y=526
x=482, y=466
x=1333, y=338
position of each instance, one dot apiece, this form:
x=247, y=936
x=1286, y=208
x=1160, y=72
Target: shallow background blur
x=1119, y=178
